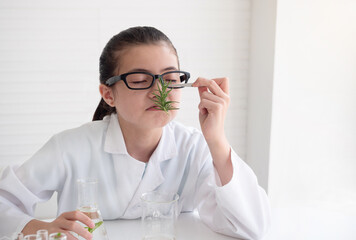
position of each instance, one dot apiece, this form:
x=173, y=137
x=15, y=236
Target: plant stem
x=161, y=95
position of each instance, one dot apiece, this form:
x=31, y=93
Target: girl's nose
x=155, y=88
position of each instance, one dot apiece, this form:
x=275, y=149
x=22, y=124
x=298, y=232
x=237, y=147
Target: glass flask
x=87, y=204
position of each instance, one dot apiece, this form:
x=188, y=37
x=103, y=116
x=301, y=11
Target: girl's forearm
x=34, y=225
x=221, y=154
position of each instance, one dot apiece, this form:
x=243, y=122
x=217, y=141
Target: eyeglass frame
x=111, y=81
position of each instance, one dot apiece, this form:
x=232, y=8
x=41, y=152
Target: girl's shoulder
x=91, y=130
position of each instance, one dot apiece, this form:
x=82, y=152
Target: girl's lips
x=153, y=108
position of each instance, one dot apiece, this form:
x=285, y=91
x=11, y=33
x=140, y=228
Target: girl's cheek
x=176, y=93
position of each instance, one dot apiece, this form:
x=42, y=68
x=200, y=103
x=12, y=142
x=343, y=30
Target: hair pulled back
x=110, y=57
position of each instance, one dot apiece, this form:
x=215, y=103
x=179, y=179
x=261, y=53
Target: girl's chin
x=150, y=120
x=162, y=118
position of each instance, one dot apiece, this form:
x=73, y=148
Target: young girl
x=132, y=147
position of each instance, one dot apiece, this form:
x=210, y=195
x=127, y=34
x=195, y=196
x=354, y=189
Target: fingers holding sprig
x=214, y=101
x=218, y=86
x=68, y=222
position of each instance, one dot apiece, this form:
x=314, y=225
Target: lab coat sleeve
x=240, y=208
x=22, y=187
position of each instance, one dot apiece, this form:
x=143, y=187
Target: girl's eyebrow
x=171, y=68
x=138, y=70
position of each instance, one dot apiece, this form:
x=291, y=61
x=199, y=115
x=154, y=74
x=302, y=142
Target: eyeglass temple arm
x=111, y=81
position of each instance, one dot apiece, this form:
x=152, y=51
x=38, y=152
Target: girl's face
x=136, y=108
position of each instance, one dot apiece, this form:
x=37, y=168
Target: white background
x=292, y=69
x=49, y=54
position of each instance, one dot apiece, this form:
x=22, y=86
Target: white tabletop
x=188, y=227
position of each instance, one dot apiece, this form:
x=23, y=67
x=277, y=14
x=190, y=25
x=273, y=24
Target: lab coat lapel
x=165, y=151
x=154, y=176
x=128, y=171
x=128, y=178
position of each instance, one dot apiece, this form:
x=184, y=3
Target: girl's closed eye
x=171, y=80
x=138, y=82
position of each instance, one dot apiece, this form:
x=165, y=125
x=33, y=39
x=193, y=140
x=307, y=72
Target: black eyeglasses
x=145, y=80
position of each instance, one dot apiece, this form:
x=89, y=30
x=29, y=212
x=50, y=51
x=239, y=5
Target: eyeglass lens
x=142, y=80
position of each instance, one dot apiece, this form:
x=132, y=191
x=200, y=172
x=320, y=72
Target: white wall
x=49, y=53
x=312, y=175
x=259, y=90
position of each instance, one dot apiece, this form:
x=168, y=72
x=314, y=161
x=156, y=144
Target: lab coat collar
x=115, y=143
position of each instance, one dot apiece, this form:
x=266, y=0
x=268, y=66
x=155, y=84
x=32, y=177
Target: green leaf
x=58, y=235
x=98, y=224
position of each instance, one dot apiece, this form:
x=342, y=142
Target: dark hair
x=110, y=56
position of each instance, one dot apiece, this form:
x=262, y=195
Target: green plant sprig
x=161, y=96
x=57, y=236
x=91, y=230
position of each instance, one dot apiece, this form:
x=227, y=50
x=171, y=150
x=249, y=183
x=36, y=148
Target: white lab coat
x=181, y=163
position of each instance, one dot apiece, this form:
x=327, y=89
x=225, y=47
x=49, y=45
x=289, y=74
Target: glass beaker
x=159, y=215
x=32, y=237
x=57, y=236
x=87, y=204
x=19, y=236
x=43, y=234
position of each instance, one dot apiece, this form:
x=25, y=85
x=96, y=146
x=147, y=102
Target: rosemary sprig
x=161, y=96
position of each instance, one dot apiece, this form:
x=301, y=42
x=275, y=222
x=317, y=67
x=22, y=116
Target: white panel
x=260, y=84
x=313, y=137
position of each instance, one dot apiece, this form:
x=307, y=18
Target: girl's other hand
x=65, y=223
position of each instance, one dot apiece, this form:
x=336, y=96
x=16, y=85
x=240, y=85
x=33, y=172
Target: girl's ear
x=107, y=95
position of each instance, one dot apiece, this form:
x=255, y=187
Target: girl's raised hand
x=214, y=101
